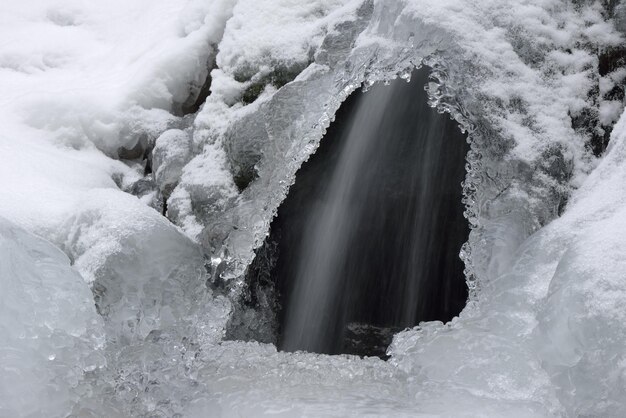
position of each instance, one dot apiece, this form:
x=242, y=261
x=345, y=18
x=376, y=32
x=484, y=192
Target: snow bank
x=87, y=88
x=80, y=78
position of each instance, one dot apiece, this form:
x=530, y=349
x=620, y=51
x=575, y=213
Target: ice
x=50, y=333
x=83, y=85
x=149, y=286
x=131, y=328
x=559, y=303
x=519, y=78
x=146, y=275
x=171, y=152
x=255, y=380
x=581, y=318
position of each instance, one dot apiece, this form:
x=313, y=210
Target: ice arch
x=367, y=241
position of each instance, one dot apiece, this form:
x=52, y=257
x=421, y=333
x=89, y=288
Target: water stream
x=370, y=233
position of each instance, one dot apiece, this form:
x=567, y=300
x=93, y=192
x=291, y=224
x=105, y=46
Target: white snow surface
x=104, y=308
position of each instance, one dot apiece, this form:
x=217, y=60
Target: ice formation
x=51, y=333
x=113, y=113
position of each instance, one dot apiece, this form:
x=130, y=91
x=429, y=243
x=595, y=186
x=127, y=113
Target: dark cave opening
x=367, y=241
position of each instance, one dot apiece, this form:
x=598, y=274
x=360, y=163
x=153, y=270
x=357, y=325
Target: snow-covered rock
x=172, y=150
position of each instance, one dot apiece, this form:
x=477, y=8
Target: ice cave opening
x=367, y=241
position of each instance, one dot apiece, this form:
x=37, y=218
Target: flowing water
x=370, y=233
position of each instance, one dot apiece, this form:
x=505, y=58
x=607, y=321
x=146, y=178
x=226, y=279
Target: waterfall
x=377, y=228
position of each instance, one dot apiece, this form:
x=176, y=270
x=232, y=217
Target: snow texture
x=108, y=308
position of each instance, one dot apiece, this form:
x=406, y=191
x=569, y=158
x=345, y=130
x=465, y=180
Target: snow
x=81, y=82
x=104, y=308
x=582, y=316
x=610, y=111
x=172, y=150
x=73, y=84
x=264, y=33
x=562, y=295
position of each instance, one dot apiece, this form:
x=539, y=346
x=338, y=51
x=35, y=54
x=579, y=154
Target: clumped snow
x=99, y=102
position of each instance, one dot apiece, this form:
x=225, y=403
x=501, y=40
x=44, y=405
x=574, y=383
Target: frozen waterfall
x=373, y=226
x=198, y=206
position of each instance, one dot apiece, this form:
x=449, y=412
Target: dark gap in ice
x=367, y=242
x=278, y=77
x=164, y=207
x=147, y=157
x=197, y=97
x=134, y=153
x=587, y=121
